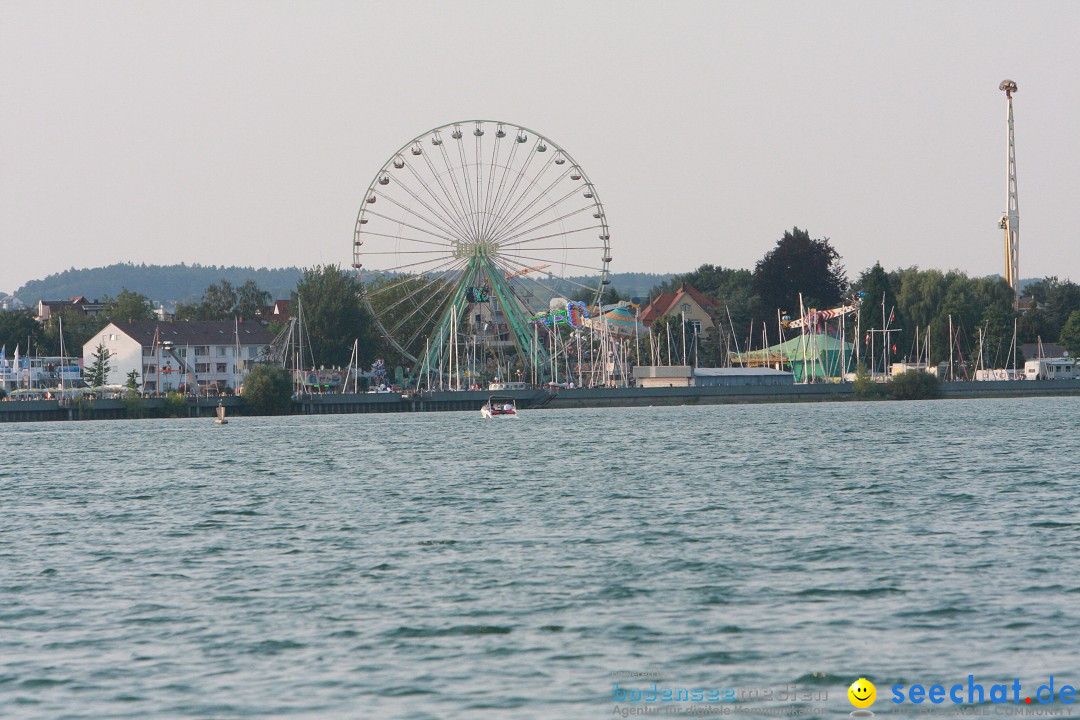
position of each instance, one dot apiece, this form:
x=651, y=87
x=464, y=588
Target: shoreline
x=445, y=401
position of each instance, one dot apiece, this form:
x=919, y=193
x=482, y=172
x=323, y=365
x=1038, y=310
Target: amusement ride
x=469, y=241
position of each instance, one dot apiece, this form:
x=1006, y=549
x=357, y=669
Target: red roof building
x=688, y=301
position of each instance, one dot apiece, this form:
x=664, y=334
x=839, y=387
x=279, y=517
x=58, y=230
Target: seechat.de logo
x=862, y=694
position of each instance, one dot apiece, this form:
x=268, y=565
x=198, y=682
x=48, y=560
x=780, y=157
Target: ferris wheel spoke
x=369, y=293
x=486, y=208
x=457, y=190
x=548, y=291
x=458, y=212
x=542, y=225
x=511, y=214
x=526, y=301
x=447, y=223
x=498, y=192
x=509, y=221
x=501, y=211
x=373, y=213
x=564, y=248
x=479, y=181
x=404, y=252
x=427, y=309
x=400, y=237
x=399, y=268
x=441, y=279
x=432, y=321
x=559, y=234
x=509, y=267
x=407, y=278
x=412, y=211
x=449, y=215
x=512, y=226
x=468, y=185
x=430, y=315
x=559, y=262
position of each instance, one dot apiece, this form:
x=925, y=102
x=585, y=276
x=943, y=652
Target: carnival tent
x=814, y=356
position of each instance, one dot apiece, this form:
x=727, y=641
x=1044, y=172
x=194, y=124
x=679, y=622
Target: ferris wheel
x=471, y=231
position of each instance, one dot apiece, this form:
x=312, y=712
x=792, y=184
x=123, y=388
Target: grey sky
x=246, y=133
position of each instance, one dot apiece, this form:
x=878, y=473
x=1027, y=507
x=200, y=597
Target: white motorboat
x=499, y=407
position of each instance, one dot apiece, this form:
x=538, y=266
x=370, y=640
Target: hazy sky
x=247, y=132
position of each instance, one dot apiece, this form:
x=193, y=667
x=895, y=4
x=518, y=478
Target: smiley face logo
x=862, y=693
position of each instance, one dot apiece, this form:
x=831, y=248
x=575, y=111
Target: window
x=222, y=367
x=222, y=351
x=150, y=370
x=202, y=367
x=695, y=326
x=201, y=350
x=685, y=307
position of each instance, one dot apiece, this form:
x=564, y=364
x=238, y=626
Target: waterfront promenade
x=533, y=399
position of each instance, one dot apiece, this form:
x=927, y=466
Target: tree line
x=161, y=283
x=749, y=302
x=915, y=300
x=330, y=296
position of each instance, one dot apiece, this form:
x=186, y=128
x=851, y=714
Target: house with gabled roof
x=47, y=308
x=689, y=302
x=209, y=354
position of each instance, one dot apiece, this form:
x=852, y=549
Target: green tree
x=733, y=289
x=409, y=306
x=133, y=383
x=128, y=306
x=18, y=328
x=913, y=385
x=587, y=295
x=133, y=404
x=799, y=264
x=334, y=315
x=250, y=298
x=1055, y=300
x=78, y=329
x=713, y=280
x=268, y=390
x=218, y=302
x=98, y=372
x=223, y=301
x=1070, y=334
x=864, y=386
x=175, y=405
x=877, y=292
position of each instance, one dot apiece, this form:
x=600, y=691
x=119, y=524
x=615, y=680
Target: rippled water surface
x=442, y=566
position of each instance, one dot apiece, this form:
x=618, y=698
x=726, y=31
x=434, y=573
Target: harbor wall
x=102, y=409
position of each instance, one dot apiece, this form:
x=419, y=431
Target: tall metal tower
x=1010, y=221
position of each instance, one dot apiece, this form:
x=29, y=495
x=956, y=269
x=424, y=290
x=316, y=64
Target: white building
x=168, y=355
x=1061, y=368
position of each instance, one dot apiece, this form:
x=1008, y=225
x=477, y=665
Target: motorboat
x=500, y=407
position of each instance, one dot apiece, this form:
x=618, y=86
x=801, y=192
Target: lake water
x=443, y=566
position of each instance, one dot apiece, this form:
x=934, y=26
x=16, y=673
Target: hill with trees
x=167, y=284
x=172, y=284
